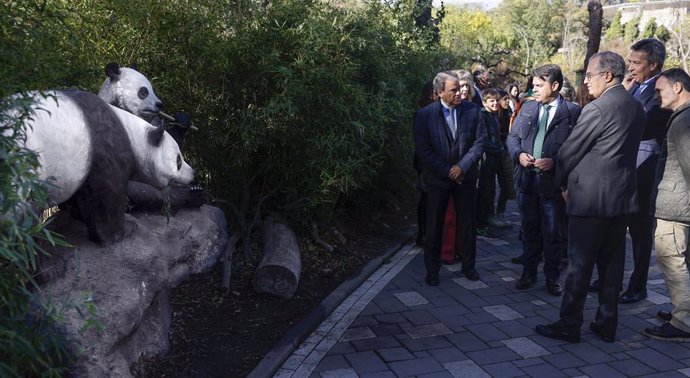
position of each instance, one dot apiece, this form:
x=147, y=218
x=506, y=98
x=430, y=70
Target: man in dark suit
x=537, y=133
x=449, y=139
x=598, y=163
x=645, y=61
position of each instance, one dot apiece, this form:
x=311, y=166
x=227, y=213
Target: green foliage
x=615, y=30
x=632, y=29
x=30, y=341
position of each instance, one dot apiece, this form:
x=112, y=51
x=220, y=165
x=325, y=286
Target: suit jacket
x=657, y=118
x=437, y=149
x=598, y=158
x=523, y=133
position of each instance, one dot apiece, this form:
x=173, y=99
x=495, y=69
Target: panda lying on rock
x=90, y=150
x=130, y=90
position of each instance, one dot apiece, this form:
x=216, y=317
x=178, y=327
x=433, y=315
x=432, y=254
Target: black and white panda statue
x=128, y=89
x=90, y=150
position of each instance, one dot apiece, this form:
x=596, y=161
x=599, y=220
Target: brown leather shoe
x=554, y=287
x=668, y=332
x=526, y=281
x=664, y=315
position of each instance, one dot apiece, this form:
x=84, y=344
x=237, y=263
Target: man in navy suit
x=538, y=132
x=598, y=163
x=645, y=61
x=449, y=138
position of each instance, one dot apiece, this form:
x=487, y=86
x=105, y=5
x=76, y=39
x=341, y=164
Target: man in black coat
x=598, y=163
x=538, y=132
x=645, y=61
x=449, y=139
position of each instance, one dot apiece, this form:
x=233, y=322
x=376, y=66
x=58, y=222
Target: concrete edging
x=297, y=334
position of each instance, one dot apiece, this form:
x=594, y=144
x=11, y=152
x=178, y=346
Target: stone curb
x=297, y=334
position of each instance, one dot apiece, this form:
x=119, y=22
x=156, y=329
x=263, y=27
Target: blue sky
x=488, y=4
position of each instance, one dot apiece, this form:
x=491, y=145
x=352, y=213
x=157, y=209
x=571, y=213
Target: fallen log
x=279, y=270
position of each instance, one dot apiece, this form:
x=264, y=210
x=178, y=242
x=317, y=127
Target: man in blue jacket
x=539, y=130
x=449, y=139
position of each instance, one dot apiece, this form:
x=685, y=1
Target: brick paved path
x=394, y=325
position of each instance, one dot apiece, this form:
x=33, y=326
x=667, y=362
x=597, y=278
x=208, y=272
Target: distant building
x=666, y=12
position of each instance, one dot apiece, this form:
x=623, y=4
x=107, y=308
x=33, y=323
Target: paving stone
x=386, y=329
x=601, y=371
x=564, y=360
x=656, y=282
x=415, y=367
x=366, y=362
x=503, y=370
x=390, y=319
x=545, y=371
x=443, y=302
x=371, y=309
x=332, y=363
x=539, y=302
x=654, y=359
x=379, y=374
x=419, y=317
x=657, y=298
x=358, y=333
x=685, y=372
x=495, y=355
x=448, y=354
x=375, y=343
x=364, y=321
x=466, y=342
x=470, y=285
x=411, y=298
x=480, y=318
x=453, y=268
x=514, y=330
x=486, y=332
x=389, y=305
x=422, y=354
x=340, y=373
x=676, y=351
x=465, y=369
x=502, y=312
x=525, y=347
x=588, y=352
x=428, y=330
x=529, y=362
x=426, y=343
x=342, y=348
x=437, y=374
x=395, y=354
x=631, y=367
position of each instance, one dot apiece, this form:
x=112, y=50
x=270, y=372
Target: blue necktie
x=450, y=119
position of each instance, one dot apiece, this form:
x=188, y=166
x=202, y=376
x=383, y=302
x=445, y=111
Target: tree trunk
x=596, y=14
x=279, y=270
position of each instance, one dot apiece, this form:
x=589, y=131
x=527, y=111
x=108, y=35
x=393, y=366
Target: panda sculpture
x=129, y=90
x=124, y=88
x=89, y=150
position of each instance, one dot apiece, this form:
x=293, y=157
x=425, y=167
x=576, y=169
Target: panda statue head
x=129, y=90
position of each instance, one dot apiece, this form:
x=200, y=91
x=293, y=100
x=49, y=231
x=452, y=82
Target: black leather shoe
x=526, y=281
x=668, y=332
x=471, y=274
x=559, y=332
x=432, y=280
x=628, y=297
x=664, y=315
x=593, y=287
x=595, y=329
x=554, y=287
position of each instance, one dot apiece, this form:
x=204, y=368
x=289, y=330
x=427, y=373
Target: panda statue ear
x=112, y=70
x=155, y=136
x=133, y=66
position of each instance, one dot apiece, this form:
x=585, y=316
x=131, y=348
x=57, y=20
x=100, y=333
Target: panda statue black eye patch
x=143, y=93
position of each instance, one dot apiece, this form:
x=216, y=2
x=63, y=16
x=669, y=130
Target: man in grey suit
x=598, y=162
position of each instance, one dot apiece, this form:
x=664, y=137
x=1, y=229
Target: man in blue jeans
x=539, y=130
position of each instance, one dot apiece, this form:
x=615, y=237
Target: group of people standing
x=582, y=175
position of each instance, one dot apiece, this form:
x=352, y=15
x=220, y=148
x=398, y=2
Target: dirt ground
x=216, y=334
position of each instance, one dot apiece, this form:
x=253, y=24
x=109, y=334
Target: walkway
x=394, y=325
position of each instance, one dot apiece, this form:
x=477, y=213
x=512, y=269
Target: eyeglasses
x=589, y=75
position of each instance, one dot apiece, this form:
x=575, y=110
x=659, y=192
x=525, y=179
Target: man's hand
x=526, y=160
x=455, y=173
x=544, y=164
x=564, y=194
